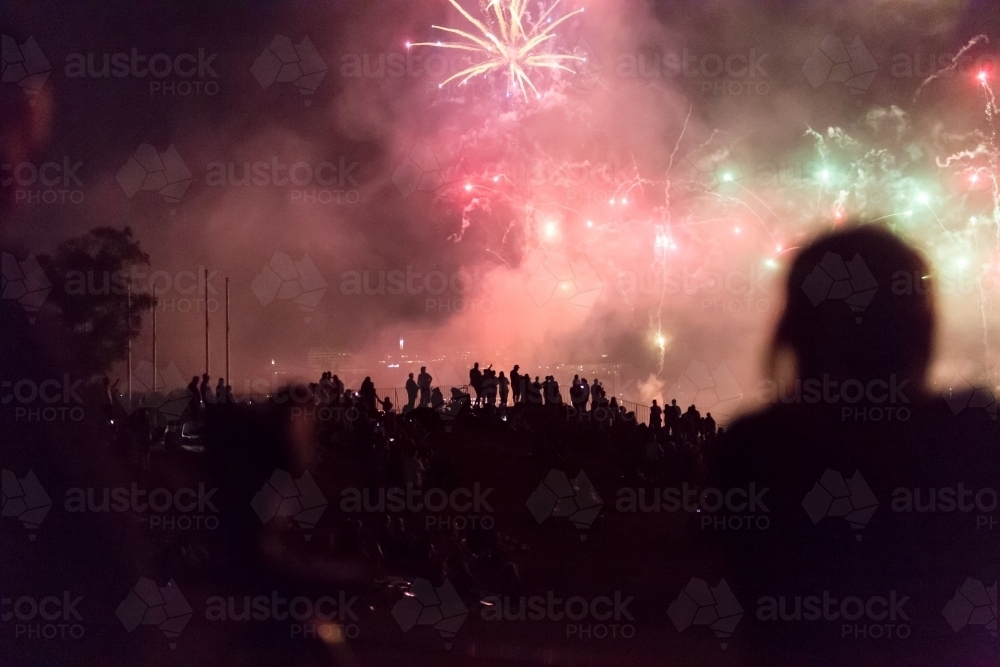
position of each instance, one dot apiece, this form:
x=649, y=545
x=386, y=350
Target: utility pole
x=154, y=346
x=128, y=341
x=227, y=332
x=206, y=322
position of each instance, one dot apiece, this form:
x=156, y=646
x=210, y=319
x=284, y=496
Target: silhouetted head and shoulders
x=850, y=358
x=849, y=438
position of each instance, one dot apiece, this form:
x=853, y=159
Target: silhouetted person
x=535, y=392
x=476, y=382
x=691, y=421
x=504, y=387
x=576, y=393
x=367, y=395
x=488, y=385
x=424, y=384
x=708, y=426
x=206, y=390
x=851, y=433
x=672, y=418
x=411, y=393
x=437, y=398
x=194, y=402
x=597, y=395
x=551, y=388
x=517, y=383
x=655, y=416
x=325, y=392
x=220, y=391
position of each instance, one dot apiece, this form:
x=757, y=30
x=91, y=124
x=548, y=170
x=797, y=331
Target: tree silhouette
x=91, y=279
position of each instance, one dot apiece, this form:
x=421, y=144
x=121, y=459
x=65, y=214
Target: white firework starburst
x=514, y=45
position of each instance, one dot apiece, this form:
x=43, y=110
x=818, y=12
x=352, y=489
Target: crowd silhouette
x=505, y=429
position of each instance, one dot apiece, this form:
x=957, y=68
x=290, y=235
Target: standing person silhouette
x=411, y=393
x=488, y=386
x=206, y=390
x=504, y=385
x=655, y=416
x=476, y=382
x=850, y=432
x=424, y=384
x=516, y=382
x=673, y=418
x=368, y=395
x=194, y=402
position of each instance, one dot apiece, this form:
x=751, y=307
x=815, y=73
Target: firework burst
x=508, y=41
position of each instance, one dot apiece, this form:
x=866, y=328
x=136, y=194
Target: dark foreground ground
x=424, y=595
